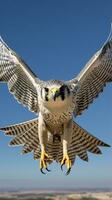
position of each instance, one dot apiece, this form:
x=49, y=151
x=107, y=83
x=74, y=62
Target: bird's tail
x=81, y=143
x=26, y=134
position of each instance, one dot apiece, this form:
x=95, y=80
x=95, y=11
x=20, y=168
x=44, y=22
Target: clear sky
x=56, y=38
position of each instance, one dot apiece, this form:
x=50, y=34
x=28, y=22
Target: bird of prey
x=54, y=135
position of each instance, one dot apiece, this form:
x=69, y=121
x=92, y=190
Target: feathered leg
x=42, y=132
x=66, y=140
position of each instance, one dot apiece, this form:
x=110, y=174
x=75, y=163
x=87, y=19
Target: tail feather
x=88, y=141
x=20, y=128
x=81, y=143
x=26, y=137
x=30, y=146
x=26, y=134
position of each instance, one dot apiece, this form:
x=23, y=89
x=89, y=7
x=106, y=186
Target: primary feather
x=21, y=81
x=93, y=77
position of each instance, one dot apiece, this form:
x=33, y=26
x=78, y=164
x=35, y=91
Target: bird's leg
x=43, y=161
x=42, y=131
x=68, y=128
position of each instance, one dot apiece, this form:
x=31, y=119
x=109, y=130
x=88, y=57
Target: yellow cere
x=52, y=91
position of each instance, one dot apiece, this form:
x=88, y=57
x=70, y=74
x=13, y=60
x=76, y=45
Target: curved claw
x=66, y=161
x=43, y=162
x=42, y=171
x=62, y=166
x=68, y=171
x=48, y=169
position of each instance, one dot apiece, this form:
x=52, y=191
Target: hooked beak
x=57, y=94
x=54, y=93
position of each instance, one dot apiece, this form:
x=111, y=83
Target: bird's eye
x=62, y=89
x=46, y=89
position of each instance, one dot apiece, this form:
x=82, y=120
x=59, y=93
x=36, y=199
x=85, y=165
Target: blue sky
x=56, y=38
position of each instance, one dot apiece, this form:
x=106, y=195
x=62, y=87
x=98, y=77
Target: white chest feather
x=56, y=114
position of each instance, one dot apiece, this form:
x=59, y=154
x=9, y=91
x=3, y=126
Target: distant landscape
x=55, y=195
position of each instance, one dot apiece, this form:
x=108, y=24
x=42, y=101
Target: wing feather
x=26, y=134
x=22, y=82
x=93, y=77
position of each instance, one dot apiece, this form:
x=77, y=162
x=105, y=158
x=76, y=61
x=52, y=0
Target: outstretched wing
x=94, y=76
x=22, y=82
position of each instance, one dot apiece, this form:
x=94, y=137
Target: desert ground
x=51, y=195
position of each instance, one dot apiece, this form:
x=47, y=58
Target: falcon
x=54, y=135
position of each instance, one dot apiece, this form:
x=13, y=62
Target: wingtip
x=4, y=43
x=110, y=34
x=1, y=39
x=109, y=38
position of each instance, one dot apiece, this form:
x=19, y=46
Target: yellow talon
x=43, y=161
x=68, y=163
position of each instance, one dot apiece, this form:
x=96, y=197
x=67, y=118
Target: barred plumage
x=20, y=79
x=93, y=78
x=26, y=134
x=56, y=103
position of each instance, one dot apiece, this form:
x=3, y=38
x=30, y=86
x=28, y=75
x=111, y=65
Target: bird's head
x=55, y=93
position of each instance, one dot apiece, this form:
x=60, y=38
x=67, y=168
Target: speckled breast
x=55, y=122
